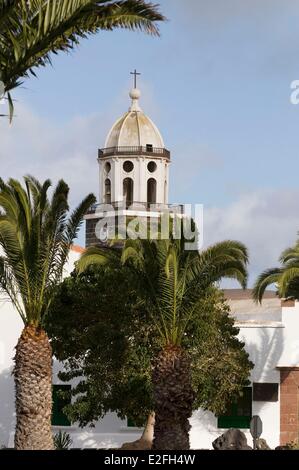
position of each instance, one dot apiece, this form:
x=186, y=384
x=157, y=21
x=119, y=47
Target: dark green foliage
x=220, y=364
x=171, y=280
x=93, y=324
x=100, y=329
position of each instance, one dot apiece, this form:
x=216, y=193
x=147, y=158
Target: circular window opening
x=107, y=167
x=152, y=166
x=128, y=166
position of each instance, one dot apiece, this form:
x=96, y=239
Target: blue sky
x=217, y=84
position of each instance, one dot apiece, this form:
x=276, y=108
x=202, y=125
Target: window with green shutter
x=131, y=423
x=239, y=413
x=59, y=403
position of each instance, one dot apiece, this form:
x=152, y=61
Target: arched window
x=107, y=167
x=128, y=191
x=107, y=191
x=151, y=191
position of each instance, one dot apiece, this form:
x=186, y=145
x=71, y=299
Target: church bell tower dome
x=133, y=174
x=134, y=128
x=134, y=164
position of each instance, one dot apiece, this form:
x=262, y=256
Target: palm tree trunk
x=173, y=399
x=148, y=433
x=146, y=440
x=33, y=386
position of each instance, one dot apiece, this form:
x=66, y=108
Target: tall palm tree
x=35, y=238
x=30, y=30
x=172, y=281
x=285, y=277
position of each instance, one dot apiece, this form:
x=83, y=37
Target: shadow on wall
x=265, y=347
x=7, y=406
x=265, y=353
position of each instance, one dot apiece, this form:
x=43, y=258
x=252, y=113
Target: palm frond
x=35, y=237
x=98, y=256
x=265, y=279
x=8, y=285
x=173, y=281
x=31, y=31
x=289, y=254
x=290, y=273
x=286, y=276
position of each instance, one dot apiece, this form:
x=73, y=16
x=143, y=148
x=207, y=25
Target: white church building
x=134, y=174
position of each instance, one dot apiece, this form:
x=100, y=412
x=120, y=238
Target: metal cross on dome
x=135, y=73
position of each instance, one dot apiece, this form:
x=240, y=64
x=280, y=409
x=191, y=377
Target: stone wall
x=90, y=235
x=289, y=401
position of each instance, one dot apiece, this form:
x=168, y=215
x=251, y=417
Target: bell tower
x=133, y=169
x=134, y=163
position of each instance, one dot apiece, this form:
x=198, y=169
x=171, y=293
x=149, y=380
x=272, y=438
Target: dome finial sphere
x=135, y=94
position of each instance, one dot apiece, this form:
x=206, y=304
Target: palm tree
x=172, y=281
x=35, y=239
x=285, y=277
x=30, y=30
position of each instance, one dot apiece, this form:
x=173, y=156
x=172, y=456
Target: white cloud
x=266, y=221
x=68, y=150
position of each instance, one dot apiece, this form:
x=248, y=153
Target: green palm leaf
x=32, y=30
x=98, y=256
x=35, y=236
x=172, y=281
x=265, y=279
x=286, y=277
